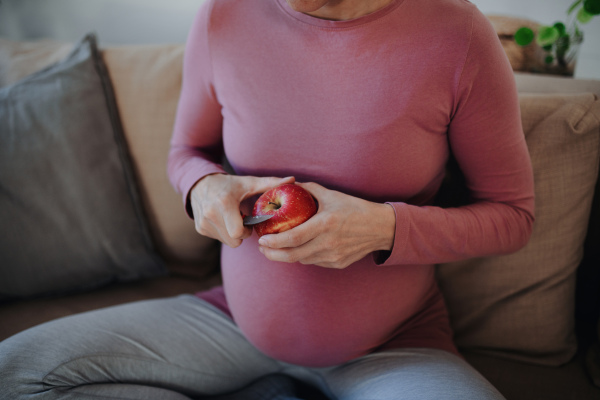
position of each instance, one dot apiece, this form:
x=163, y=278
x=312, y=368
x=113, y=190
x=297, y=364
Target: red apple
x=290, y=206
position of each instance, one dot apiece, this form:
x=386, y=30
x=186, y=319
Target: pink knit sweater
x=371, y=107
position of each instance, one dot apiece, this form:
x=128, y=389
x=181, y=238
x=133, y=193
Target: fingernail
x=262, y=241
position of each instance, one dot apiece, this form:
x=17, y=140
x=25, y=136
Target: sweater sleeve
x=486, y=138
x=196, y=144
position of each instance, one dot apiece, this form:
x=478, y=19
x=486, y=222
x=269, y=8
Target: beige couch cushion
x=539, y=83
x=147, y=81
x=521, y=306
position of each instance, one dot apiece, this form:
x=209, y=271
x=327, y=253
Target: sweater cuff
x=394, y=257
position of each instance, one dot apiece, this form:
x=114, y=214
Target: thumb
x=314, y=189
x=259, y=185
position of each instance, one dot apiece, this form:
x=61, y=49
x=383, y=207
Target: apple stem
x=275, y=204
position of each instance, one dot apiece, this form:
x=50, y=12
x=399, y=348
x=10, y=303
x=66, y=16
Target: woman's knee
x=410, y=374
x=63, y=353
x=176, y=342
x=23, y=358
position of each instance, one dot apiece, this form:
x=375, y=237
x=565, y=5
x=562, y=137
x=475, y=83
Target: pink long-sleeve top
x=371, y=107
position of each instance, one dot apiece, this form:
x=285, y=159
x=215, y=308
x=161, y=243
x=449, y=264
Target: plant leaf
x=574, y=6
x=524, y=36
x=547, y=35
x=583, y=16
x=592, y=7
x=562, y=30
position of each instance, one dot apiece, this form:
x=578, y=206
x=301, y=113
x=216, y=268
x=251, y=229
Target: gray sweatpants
x=182, y=347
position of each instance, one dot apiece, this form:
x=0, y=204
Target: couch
x=528, y=321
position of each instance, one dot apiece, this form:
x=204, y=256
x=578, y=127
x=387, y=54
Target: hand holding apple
x=344, y=230
x=215, y=201
x=290, y=205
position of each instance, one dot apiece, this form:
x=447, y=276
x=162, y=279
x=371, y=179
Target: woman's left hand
x=344, y=230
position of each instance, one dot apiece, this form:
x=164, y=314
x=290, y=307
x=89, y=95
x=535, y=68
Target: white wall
x=115, y=21
x=168, y=21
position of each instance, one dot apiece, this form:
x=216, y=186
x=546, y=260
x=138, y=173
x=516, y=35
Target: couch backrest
x=147, y=82
x=532, y=83
x=521, y=305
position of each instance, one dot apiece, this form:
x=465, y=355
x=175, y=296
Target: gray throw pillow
x=70, y=213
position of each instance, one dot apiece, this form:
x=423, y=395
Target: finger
x=201, y=225
x=233, y=243
x=299, y=254
x=216, y=225
x=294, y=237
x=258, y=185
x=226, y=238
x=330, y=265
x=216, y=231
x=318, y=192
x=247, y=232
x=234, y=224
x=313, y=188
x=286, y=180
x=215, y=222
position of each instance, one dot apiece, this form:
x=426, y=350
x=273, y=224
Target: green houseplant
x=560, y=41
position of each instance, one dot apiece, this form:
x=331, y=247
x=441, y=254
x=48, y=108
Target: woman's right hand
x=216, y=201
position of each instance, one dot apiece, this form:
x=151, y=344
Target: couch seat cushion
x=17, y=316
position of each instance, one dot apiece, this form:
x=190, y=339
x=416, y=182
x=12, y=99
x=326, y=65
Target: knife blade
x=250, y=220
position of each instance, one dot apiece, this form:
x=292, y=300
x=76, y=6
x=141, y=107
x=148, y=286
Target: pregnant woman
x=361, y=102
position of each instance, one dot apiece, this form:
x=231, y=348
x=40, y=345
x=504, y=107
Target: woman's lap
x=183, y=347
x=415, y=373
x=181, y=344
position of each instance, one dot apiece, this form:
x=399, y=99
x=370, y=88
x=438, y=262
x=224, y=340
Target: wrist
x=206, y=179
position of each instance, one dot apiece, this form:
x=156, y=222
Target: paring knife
x=250, y=220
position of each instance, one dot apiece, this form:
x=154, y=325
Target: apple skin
x=290, y=206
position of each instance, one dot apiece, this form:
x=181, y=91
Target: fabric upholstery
x=538, y=83
x=520, y=306
x=524, y=381
x=17, y=316
x=146, y=81
x=71, y=217
x=20, y=59
x=587, y=299
x=592, y=362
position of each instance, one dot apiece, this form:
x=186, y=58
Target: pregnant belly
x=314, y=316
